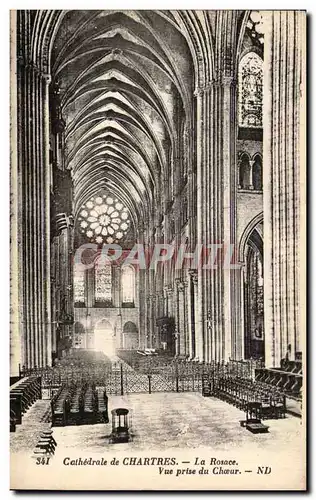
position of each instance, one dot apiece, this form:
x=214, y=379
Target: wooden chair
x=266, y=407
x=279, y=406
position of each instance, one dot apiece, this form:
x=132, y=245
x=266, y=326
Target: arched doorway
x=79, y=333
x=130, y=333
x=254, y=295
x=104, y=339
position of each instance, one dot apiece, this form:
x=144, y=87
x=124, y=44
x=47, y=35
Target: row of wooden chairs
x=293, y=366
x=240, y=392
x=175, y=366
x=22, y=396
x=79, y=404
x=75, y=404
x=288, y=382
x=103, y=404
x=59, y=406
x=80, y=356
x=167, y=365
x=46, y=444
x=68, y=374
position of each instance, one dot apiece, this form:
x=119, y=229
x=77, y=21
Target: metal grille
x=189, y=383
x=162, y=383
x=120, y=378
x=113, y=382
x=135, y=382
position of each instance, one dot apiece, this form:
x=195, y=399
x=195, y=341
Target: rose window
x=104, y=219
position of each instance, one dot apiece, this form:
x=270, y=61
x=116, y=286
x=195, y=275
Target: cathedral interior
x=157, y=129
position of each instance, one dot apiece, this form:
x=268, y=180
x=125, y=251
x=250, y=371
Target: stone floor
x=163, y=421
x=34, y=421
x=185, y=420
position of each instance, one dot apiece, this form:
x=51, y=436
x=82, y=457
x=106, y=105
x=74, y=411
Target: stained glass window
x=255, y=27
x=128, y=284
x=103, y=283
x=79, y=284
x=104, y=219
x=250, y=83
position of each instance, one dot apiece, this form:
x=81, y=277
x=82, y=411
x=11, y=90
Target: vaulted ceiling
x=126, y=81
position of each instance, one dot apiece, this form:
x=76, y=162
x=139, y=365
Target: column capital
x=31, y=67
x=180, y=285
x=242, y=265
x=222, y=80
x=64, y=221
x=200, y=90
x=47, y=78
x=228, y=80
x=240, y=156
x=194, y=275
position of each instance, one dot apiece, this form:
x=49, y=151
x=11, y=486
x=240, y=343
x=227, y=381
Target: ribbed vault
x=126, y=80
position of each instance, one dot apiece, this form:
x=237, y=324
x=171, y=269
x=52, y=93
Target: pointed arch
x=244, y=171
x=257, y=172
x=258, y=219
x=128, y=285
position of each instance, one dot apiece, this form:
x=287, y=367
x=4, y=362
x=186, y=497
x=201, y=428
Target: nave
x=158, y=267
x=119, y=118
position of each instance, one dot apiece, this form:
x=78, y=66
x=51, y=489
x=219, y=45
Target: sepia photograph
x=157, y=250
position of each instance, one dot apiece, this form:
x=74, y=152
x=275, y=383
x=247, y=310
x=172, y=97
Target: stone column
x=153, y=321
x=142, y=291
x=185, y=320
x=34, y=207
x=171, y=303
x=16, y=299
x=166, y=310
x=90, y=290
x=175, y=299
x=238, y=334
x=119, y=325
x=283, y=183
x=228, y=87
x=161, y=302
x=48, y=335
x=189, y=323
x=194, y=283
x=251, y=163
x=216, y=202
x=181, y=319
x=142, y=307
x=202, y=112
x=148, y=322
x=157, y=315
